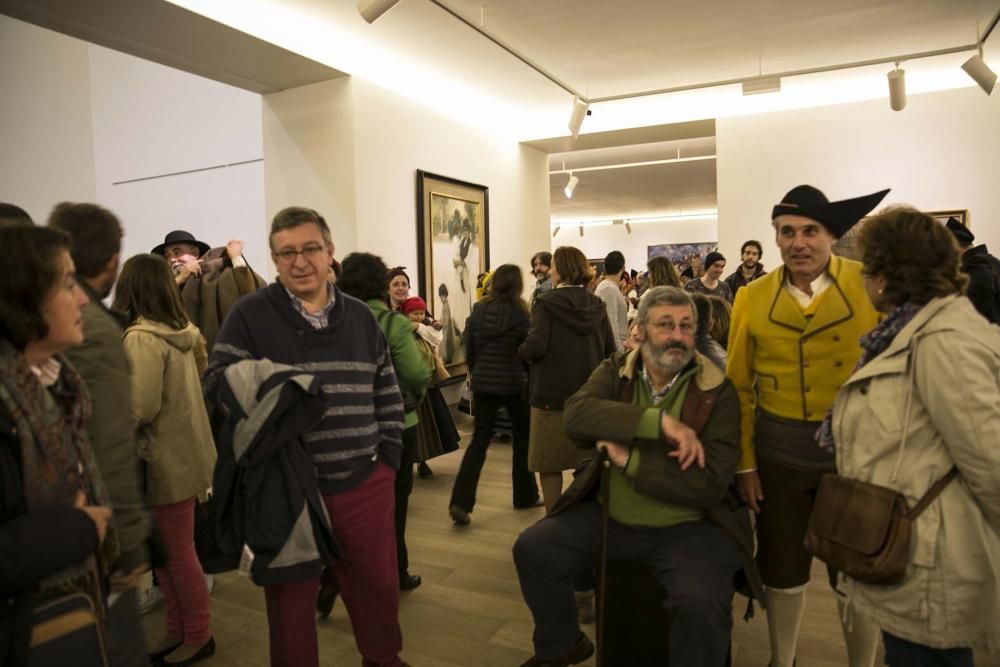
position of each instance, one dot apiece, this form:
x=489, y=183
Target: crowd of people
x=702, y=417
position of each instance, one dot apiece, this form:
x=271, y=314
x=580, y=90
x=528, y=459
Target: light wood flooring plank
x=469, y=611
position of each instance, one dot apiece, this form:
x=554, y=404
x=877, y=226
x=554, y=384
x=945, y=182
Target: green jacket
x=102, y=364
x=603, y=409
x=411, y=368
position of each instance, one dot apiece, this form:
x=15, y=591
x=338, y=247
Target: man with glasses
x=668, y=420
x=210, y=280
x=305, y=321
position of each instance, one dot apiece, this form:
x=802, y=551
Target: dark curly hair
x=363, y=276
x=917, y=256
x=30, y=258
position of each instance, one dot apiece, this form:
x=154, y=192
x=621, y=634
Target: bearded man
x=750, y=268
x=668, y=420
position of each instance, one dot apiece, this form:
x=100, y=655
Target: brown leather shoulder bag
x=863, y=529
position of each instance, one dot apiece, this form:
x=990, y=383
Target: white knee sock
x=861, y=635
x=784, y=616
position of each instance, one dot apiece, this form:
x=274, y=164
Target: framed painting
x=453, y=230
x=847, y=245
x=684, y=255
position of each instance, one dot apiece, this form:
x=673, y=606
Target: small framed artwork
x=962, y=215
x=847, y=245
x=453, y=226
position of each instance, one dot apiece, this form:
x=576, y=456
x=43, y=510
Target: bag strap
x=932, y=493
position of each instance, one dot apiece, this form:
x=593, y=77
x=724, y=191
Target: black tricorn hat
x=180, y=236
x=961, y=233
x=837, y=216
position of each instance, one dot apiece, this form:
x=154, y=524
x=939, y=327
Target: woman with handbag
x=363, y=278
x=498, y=325
x=397, y=283
x=54, y=509
x=165, y=352
x=925, y=400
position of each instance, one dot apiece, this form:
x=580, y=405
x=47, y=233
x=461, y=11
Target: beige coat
x=949, y=356
x=175, y=438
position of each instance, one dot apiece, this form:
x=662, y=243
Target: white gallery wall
x=79, y=122
x=941, y=152
x=45, y=119
x=351, y=150
x=177, y=151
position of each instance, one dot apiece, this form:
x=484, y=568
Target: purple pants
x=363, y=525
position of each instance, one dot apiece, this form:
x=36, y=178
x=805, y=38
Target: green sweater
x=412, y=371
x=628, y=506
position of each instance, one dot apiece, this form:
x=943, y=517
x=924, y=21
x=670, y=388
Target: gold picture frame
x=452, y=250
x=847, y=246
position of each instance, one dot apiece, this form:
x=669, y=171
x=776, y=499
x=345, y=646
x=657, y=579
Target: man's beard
x=750, y=266
x=663, y=361
x=541, y=275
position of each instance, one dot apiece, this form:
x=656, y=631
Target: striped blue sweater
x=364, y=418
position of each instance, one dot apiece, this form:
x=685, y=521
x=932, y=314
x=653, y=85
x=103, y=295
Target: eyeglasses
x=668, y=326
x=310, y=253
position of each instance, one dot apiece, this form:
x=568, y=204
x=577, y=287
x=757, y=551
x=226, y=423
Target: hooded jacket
x=174, y=436
x=929, y=402
x=568, y=337
x=492, y=335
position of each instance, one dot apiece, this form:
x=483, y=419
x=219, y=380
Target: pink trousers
x=182, y=581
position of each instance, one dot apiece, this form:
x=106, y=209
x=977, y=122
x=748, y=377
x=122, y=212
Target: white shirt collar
x=818, y=286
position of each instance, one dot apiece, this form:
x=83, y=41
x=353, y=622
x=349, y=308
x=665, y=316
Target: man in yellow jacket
x=793, y=341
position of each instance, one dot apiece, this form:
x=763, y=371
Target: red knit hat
x=414, y=303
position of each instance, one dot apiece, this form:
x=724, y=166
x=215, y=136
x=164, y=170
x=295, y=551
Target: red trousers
x=363, y=525
x=182, y=581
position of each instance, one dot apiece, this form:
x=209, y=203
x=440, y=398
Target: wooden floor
x=469, y=610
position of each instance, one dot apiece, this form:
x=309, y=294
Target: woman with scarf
x=54, y=509
x=924, y=399
x=166, y=352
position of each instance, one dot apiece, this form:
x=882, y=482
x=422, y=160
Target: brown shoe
x=582, y=650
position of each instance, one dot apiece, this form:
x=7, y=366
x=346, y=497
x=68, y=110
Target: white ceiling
x=605, y=49
x=611, y=47
x=634, y=192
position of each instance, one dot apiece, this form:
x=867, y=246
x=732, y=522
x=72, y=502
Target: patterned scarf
x=56, y=458
x=874, y=343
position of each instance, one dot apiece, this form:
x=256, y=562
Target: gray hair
x=664, y=296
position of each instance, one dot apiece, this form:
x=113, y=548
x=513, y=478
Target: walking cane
x=603, y=568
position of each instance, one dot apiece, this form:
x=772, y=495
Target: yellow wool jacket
x=790, y=365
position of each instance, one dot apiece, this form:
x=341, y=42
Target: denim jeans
x=903, y=653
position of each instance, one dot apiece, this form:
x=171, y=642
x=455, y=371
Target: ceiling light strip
x=548, y=75
x=707, y=215
x=790, y=73
x=628, y=165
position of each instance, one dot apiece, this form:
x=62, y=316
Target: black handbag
x=67, y=631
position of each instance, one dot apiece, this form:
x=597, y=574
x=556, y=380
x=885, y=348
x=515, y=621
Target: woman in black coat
x=53, y=505
x=497, y=326
x=569, y=336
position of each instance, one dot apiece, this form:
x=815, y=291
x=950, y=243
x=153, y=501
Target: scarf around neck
x=56, y=457
x=873, y=343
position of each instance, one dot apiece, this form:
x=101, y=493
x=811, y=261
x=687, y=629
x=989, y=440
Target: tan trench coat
x=949, y=357
x=174, y=435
